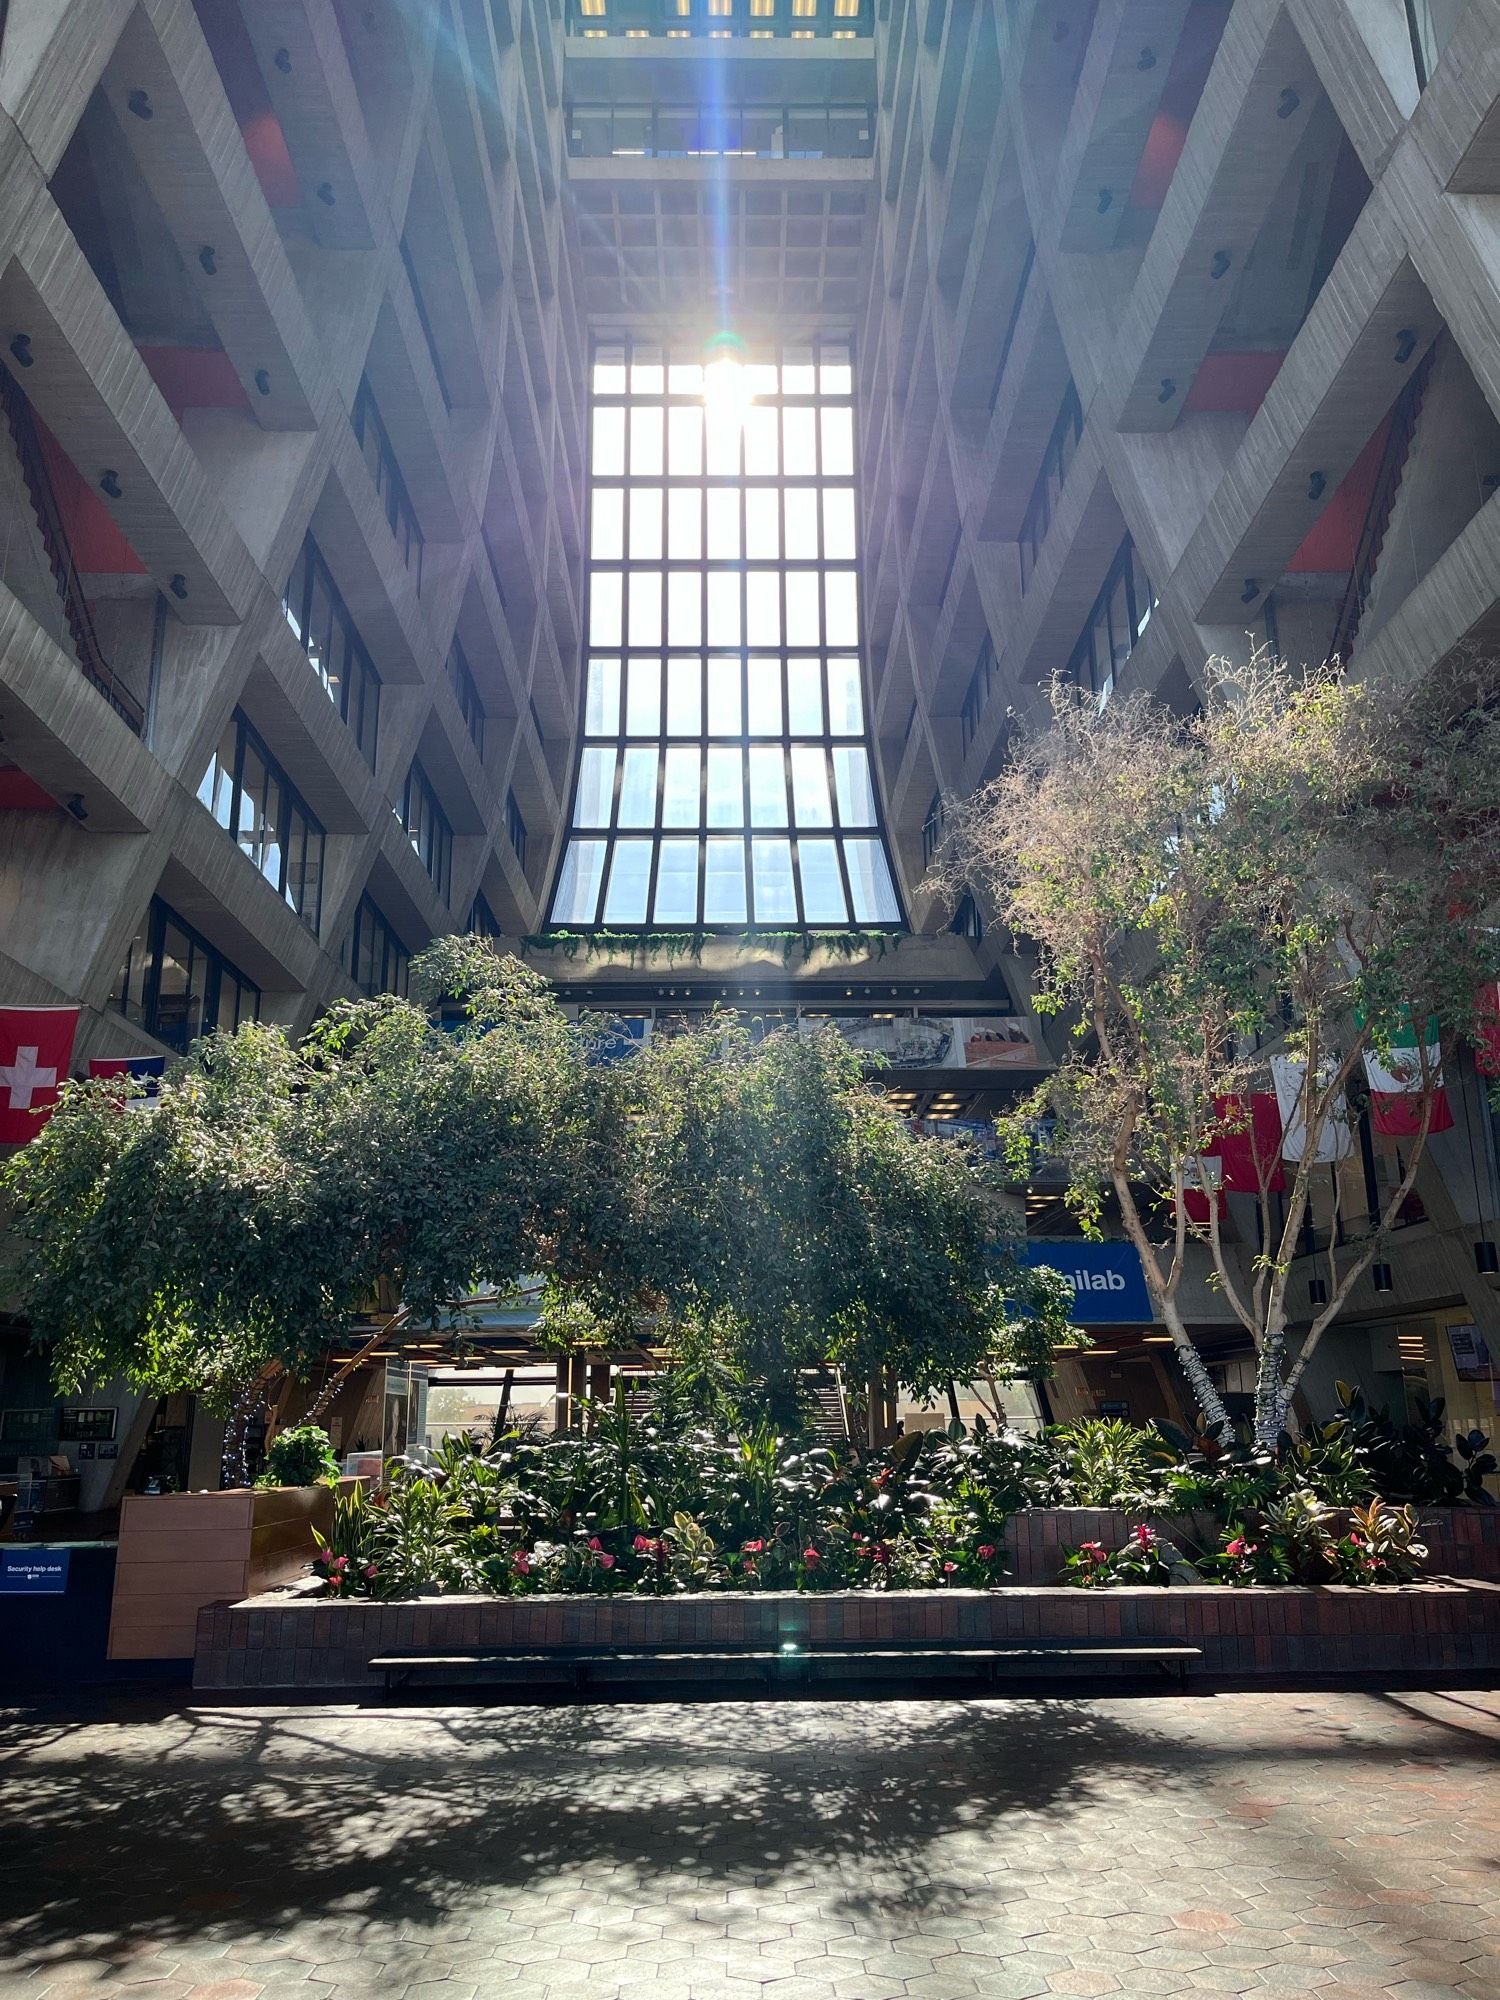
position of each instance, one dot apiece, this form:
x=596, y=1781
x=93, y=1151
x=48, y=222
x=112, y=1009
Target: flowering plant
x=1141, y=1559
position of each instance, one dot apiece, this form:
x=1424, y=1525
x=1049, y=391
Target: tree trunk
x=1272, y=1395
x=1210, y=1402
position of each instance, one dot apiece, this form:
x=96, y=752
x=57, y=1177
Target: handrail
x=59, y=552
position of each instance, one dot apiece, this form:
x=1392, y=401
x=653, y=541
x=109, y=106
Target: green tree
x=1303, y=869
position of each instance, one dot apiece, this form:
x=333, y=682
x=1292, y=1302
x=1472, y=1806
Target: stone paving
x=1346, y=1845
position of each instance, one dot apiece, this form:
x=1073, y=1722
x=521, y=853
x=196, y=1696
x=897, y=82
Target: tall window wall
x=724, y=777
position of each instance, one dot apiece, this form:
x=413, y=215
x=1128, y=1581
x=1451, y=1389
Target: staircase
x=1408, y=407
x=49, y=520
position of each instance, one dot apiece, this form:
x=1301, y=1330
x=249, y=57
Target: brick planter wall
x=305, y=1643
x=1461, y=1541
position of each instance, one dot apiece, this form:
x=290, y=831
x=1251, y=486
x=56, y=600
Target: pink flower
x=1238, y=1547
x=1091, y=1548
x=595, y=1544
x=335, y=1582
x=1143, y=1535
x=338, y=1562
x=370, y=1570
x=606, y=1562
x=949, y=1568
x=754, y=1548
x=520, y=1562
x=811, y=1557
x=640, y=1545
x=986, y=1551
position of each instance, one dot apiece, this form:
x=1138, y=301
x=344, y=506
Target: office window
x=466, y=694
x=1121, y=613
x=375, y=448
x=253, y=800
x=374, y=957
x=515, y=827
x=335, y=651
x=977, y=694
x=1061, y=446
x=724, y=776
x=177, y=986
x=427, y=829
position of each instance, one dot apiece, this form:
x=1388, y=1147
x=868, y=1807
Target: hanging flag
x=147, y=1070
x=1396, y=1090
x=1255, y=1149
x=1487, y=1030
x=1335, y=1141
x=36, y=1046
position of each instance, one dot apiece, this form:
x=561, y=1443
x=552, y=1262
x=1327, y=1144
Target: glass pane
x=724, y=698
x=679, y=802
x=846, y=708
x=870, y=887
x=724, y=524
x=768, y=787
x=811, y=803
x=762, y=445
x=775, y=895
x=645, y=441
x=604, y=607
x=838, y=523
x=684, y=607
x=822, y=885
x=838, y=442
x=804, y=697
x=797, y=373
x=802, y=608
x=852, y=783
x=601, y=715
x=764, y=702
x=722, y=427
x=763, y=608
x=647, y=377
x=684, y=698
x=726, y=787
x=724, y=882
x=841, y=607
x=645, y=523
x=677, y=883
x=629, y=882
x=643, y=698
x=684, y=523
x=609, y=443
x=762, y=523
x=723, y=608
x=609, y=372
x=801, y=504
x=685, y=378
x=608, y=524
x=836, y=377
x=685, y=441
x=801, y=442
x=578, y=881
x=645, y=607
x=638, y=789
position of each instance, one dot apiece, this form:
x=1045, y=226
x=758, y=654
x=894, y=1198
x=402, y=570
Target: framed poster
x=28, y=1426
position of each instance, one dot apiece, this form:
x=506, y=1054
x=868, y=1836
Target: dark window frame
x=142, y=967
x=355, y=693
x=380, y=460
x=1084, y=668
x=465, y=692
x=428, y=828
x=371, y=925
x=1057, y=459
x=290, y=806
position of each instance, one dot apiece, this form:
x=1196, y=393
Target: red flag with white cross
x=36, y=1046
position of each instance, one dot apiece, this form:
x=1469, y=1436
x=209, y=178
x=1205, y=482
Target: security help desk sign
x=33, y=1572
x=1109, y=1287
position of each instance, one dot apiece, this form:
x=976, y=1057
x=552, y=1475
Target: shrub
x=1140, y=1559
x=301, y=1455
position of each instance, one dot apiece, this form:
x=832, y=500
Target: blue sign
x=1108, y=1283
x=33, y=1572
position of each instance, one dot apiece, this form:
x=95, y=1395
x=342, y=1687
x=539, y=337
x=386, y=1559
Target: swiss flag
x=36, y=1046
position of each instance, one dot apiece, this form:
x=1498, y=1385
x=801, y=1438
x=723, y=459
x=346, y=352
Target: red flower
x=338, y=1562
x=606, y=1562
x=881, y=1554
x=811, y=1557
x=1091, y=1548
x=986, y=1551
x=949, y=1568
x=1238, y=1547
x=595, y=1544
x=882, y=1477
x=520, y=1562
x=754, y=1548
x=1143, y=1535
x=335, y=1582
x=640, y=1544
x=370, y=1570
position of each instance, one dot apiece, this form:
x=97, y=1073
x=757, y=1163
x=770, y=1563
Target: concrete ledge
x=1440, y=1626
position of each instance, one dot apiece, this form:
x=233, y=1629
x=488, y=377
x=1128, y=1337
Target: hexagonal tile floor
x=1344, y=1845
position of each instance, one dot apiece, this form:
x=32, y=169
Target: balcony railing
x=749, y=132
x=723, y=20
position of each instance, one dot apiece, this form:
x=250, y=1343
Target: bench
x=574, y=1666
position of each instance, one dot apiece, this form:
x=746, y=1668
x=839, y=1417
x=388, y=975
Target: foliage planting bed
x=302, y=1642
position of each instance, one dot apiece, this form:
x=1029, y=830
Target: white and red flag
x=36, y=1046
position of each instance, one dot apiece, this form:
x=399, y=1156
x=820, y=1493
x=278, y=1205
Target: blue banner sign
x=1107, y=1280
x=33, y=1572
